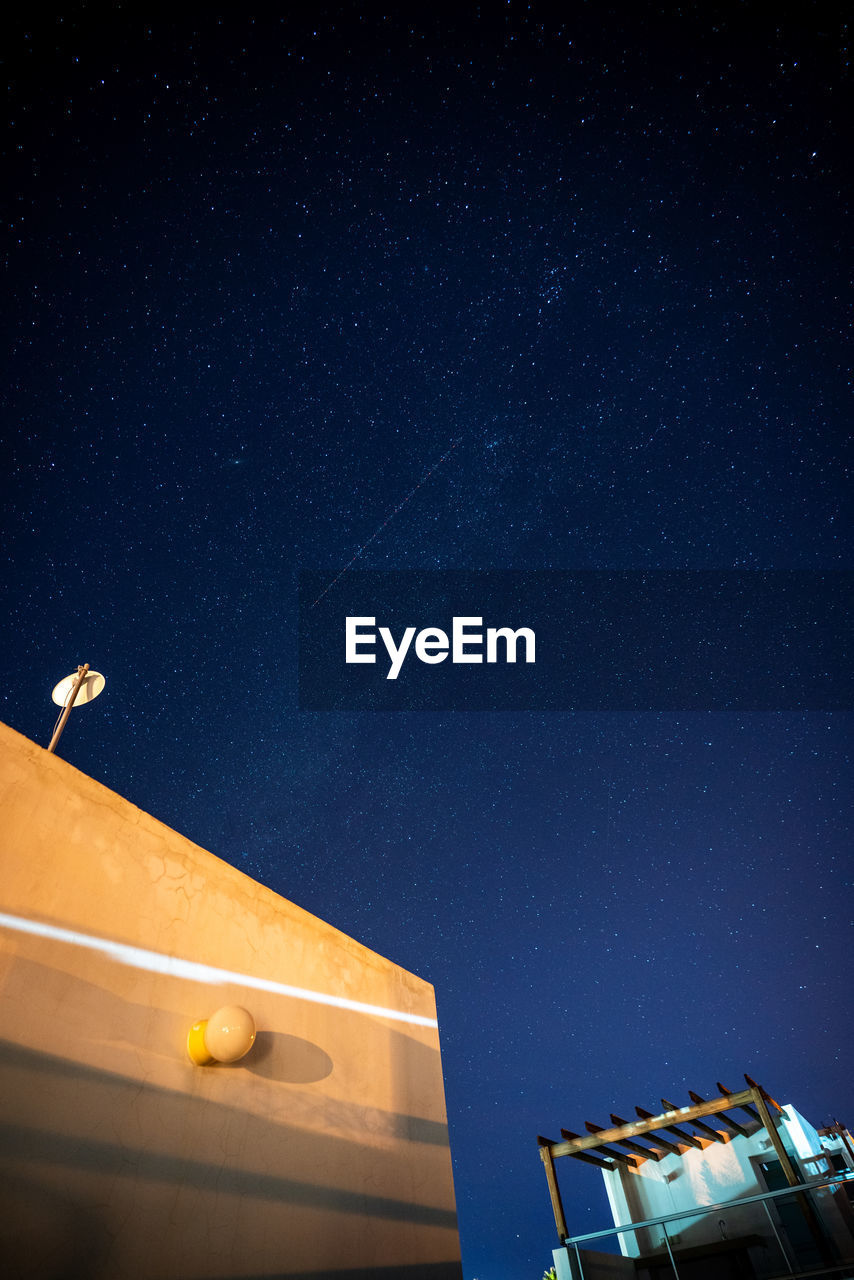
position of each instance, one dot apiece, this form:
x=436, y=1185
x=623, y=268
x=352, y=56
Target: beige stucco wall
x=323, y=1151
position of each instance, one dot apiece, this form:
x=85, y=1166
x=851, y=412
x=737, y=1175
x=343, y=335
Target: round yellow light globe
x=226, y=1036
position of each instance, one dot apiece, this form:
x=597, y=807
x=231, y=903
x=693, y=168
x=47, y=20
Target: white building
x=705, y=1191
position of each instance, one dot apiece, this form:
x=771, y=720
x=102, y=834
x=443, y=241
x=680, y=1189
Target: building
x=704, y=1192
x=321, y=1153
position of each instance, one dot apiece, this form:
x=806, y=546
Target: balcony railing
x=788, y=1252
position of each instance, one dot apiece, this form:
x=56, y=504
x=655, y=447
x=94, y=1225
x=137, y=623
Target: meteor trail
x=387, y=520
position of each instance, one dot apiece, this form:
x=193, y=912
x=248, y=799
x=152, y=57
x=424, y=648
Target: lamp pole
x=82, y=673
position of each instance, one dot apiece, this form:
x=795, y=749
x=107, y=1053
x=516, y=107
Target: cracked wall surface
x=323, y=1152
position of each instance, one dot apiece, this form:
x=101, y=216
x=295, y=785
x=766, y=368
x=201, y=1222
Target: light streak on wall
x=194, y=971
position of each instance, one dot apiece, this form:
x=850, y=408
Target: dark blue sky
x=261, y=275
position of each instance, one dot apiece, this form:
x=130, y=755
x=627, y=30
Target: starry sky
x=502, y=286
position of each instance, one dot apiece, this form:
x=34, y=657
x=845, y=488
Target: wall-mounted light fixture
x=225, y=1036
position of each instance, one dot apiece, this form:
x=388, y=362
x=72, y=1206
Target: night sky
x=478, y=287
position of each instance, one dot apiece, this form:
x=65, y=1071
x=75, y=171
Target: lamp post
x=79, y=688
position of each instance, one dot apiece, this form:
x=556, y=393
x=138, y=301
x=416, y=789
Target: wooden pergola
x=609, y=1147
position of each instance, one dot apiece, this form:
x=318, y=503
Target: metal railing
x=791, y=1264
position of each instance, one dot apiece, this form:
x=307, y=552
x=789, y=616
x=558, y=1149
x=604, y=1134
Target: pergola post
x=803, y=1199
x=554, y=1189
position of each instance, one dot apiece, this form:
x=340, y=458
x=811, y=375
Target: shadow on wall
x=48, y=1236
x=50, y=1095
x=44, y=1234
x=150, y=1159
x=289, y=1059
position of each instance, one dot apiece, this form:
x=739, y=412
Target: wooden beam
x=669, y=1148
x=588, y=1159
x=662, y=1145
x=839, y=1130
x=554, y=1189
x=742, y=1106
x=671, y=1128
x=767, y=1096
x=606, y=1151
x=698, y=1124
x=641, y=1127
x=779, y=1150
x=648, y=1153
x=722, y=1116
